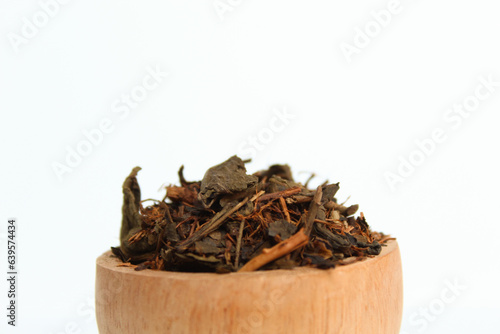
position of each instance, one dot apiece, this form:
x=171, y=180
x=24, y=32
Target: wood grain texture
x=363, y=297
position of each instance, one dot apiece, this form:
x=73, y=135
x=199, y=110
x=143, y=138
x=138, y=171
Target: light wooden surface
x=363, y=297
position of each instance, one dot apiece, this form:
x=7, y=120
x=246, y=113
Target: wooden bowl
x=363, y=297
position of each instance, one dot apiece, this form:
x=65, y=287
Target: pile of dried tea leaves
x=231, y=221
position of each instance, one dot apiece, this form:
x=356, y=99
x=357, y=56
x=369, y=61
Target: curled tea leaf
x=132, y=220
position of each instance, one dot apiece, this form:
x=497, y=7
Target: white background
x=228, y=73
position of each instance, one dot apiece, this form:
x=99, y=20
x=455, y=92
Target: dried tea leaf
x=181, y=194
x=226, y=178
x=182, y=180
x=210, y=259
x=171, y=233
x=216, y=235
x=131, y=201
x=207, y=246
x=319, y=248
x=246, y=209
x=373, y=248
x=351, y=210
x=132, y=220
x=337, y=242
x=282, y=263
x=361, y=239
x=282, y=171
x=118, y=252
x=232, y=228
x=329, y=192
x=277, y=183
x=282, y=228
x=319, y=262
x=321, y=214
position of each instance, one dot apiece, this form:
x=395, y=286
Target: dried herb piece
x=229, y=177
x=135, y=249
x=269, y=254
x=207, y=246
x=281, y=228
x=232, y=221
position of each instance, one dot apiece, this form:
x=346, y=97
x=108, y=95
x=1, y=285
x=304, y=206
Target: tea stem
x=283, y=248
x=238, y=244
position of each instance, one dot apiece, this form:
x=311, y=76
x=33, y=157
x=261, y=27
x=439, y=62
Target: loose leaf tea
x=232, y=221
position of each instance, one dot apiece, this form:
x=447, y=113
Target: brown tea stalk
x=283, y=248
